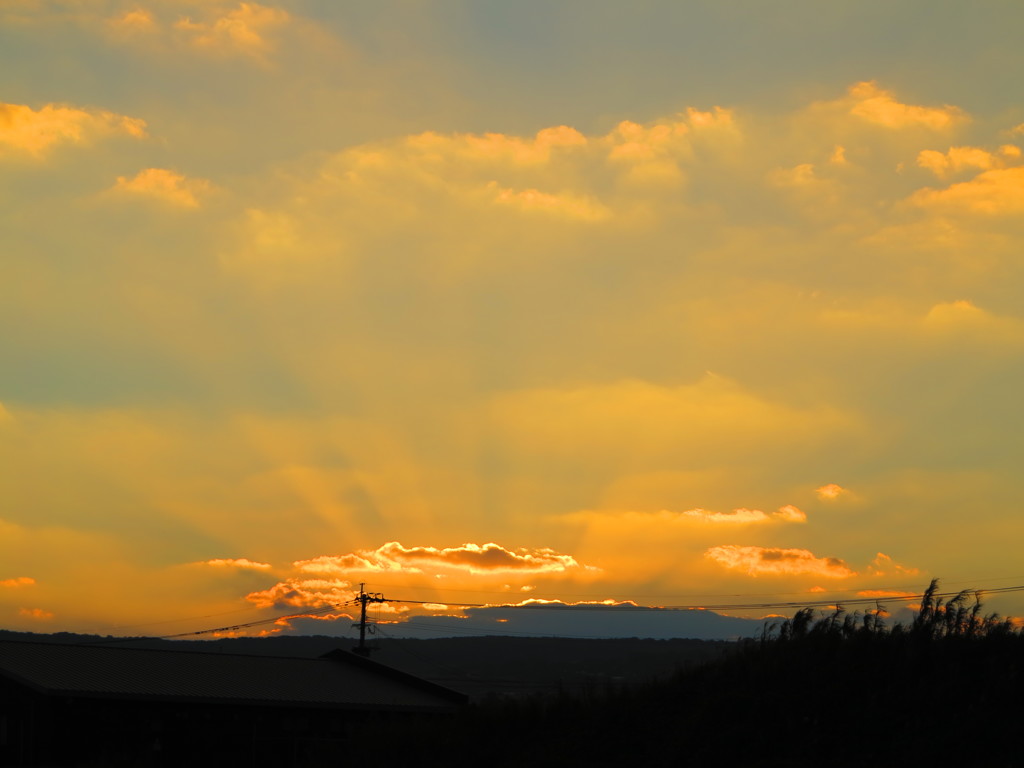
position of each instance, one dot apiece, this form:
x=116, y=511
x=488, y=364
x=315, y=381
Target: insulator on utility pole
x=364, y=597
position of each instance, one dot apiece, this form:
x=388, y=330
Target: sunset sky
x=678, y=302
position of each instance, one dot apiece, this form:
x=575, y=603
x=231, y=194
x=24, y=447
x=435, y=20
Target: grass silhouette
x=834, y=688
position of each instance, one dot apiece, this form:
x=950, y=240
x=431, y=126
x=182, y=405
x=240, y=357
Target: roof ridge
x=109, y=645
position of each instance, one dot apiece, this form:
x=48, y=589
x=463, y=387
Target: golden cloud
x=24, y=130
x=736, y=516
x=215, y=28
x=443, y=182
x=642, y=420
x=480, y=184
x=37, y=614
x=562, y=205
x=965, y=315
x=487, y=558
x=634, y=142
x=654, y=152
x=474, y=558
x=799, y=176
x=830, y=491
x=878, y=106
x=788, y=513
x=957, y=159
x=133, y=22
x=965, y=322
x=774, y=561
x=992, y=193
x=883, y=565
x=367, y=561
x=240, y=562
x=164, y=185
x=557, y=171
x=277, y=247
x=246, y=30
x=20, y=581
x=814, y=190
x=650, y=153
x=303, y=593
x=496, y=148
x=946, y=322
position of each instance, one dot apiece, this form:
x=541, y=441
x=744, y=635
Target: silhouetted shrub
x=839, y=689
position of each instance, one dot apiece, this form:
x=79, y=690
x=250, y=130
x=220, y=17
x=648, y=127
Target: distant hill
x=587, y=620
x=478, y=666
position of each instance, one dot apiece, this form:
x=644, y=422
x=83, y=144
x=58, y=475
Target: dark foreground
x=834, y=690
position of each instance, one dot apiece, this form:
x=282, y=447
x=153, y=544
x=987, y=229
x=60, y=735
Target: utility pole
x=365, y=597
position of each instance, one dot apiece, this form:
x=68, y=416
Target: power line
x=250, y=624
x=364, y=598
x=663, y=596
x=183, y=618
x=829, y=602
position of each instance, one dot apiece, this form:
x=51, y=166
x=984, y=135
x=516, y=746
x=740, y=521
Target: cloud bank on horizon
x=477, y=303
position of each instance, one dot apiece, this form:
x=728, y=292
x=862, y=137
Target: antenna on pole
x=363, y=598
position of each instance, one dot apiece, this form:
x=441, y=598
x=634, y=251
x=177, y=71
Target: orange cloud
x=774, y=561
x=874, y=105
x=365, y=561
x=240, y=562
x=943, y=164
x=162, y=184
x=883, y=565
x=36, y=613
x=643, y=420
x=653, y=152
x=957, y=313
x=799, y=176
x=736, y=516
x=561, y=205
x=718, y=118
x=965, y=320
x=650, y=153
x=884, y=593
x=946, y=321
x=303, y=593
x=474, y=558
x=133, y=22
x=20, y=581
x=24, y=130
x=498, y=148
x=788, y=513
x=995, y=192
x=245, y=30
x=830, y=491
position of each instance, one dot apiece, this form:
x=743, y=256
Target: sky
x=698, y=303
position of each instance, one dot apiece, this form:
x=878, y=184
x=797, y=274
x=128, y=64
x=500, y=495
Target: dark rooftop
x=338, y=680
